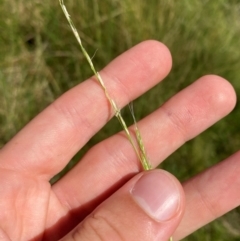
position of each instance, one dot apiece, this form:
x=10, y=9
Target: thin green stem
x=139, y=149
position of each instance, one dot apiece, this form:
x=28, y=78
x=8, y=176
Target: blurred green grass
x=40, y=59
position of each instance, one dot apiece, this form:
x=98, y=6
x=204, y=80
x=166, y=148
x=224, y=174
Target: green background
x=40, y=59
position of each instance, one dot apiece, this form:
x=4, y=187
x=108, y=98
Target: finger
x=109, y=164
x=152, y=201
x=48, y=142
x=210, y=194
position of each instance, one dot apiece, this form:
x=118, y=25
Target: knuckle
x=181, y=121
x=72, y=116
x=97, y=228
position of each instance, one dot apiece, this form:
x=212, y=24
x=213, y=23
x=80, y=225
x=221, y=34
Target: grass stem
x=139, y=147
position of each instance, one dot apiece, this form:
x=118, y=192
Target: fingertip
x=160, y=56
x=223, y=96
x=160, y=195
x=137, y=70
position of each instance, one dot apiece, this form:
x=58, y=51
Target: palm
x=32, y=209
x=25, y=204
x=29, y=202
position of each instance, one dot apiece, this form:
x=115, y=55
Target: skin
x=98, y=187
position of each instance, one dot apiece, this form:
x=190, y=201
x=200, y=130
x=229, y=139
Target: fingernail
x=157, y=194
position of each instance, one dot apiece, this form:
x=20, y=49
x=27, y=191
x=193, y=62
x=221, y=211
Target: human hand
x=101, y=198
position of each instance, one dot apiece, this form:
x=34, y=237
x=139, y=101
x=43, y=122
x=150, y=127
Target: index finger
x=50, y=140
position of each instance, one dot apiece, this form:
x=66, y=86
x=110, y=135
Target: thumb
x=148, y=207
